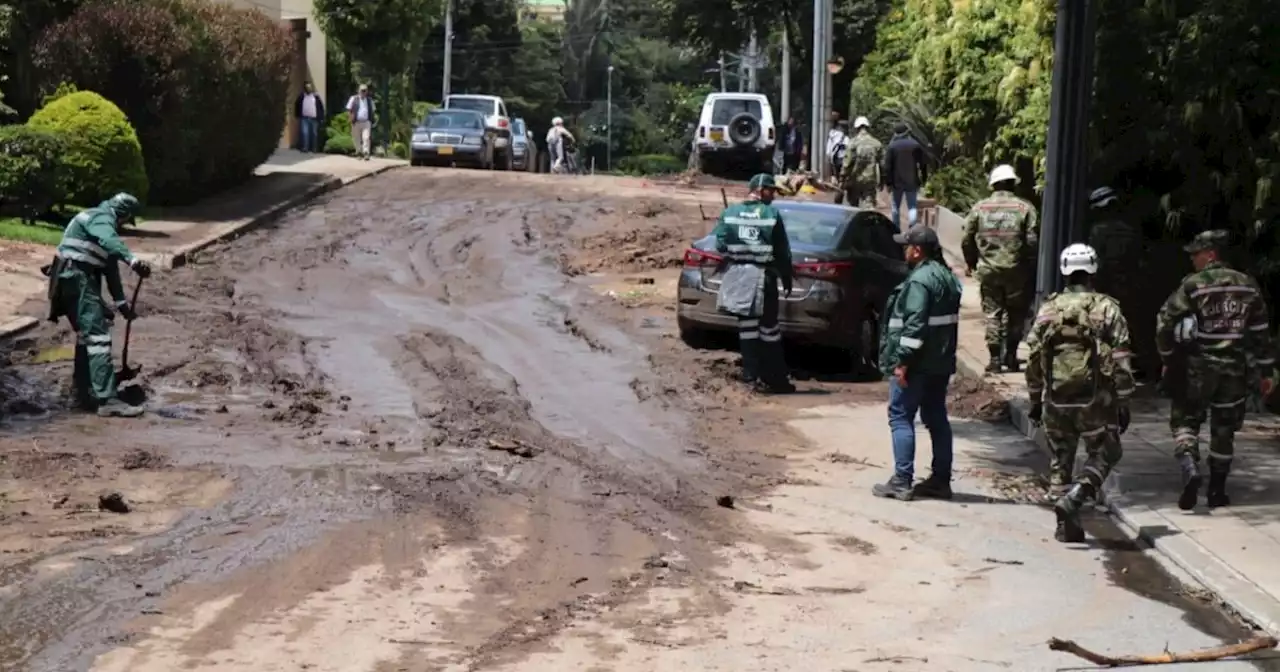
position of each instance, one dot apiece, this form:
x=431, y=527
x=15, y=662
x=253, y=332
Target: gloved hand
x=1123, y=418
x=1037, y=410
x=142, y=268
x=126, y=311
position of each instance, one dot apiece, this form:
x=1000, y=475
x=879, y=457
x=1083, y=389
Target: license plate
x=717, y=135
x=446, y=151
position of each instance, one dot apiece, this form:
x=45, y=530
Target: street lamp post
x=608, y=123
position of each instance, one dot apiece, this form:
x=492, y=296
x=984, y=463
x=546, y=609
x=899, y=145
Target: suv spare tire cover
x=744, y=129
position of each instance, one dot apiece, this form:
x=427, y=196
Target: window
x=727, y=108
x=517, y=126
x=446, y=119
x=480, y=105
x=811, y=226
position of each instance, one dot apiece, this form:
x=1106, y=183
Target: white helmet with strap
x=1078, y=257
x=1003, y=173
x=557, y=122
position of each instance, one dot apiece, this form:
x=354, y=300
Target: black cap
x=900, y=128
x=918, y=235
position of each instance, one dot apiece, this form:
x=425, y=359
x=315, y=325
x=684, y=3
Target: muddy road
x=439, y=420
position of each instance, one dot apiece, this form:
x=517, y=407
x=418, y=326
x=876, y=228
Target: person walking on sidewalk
x=918, y=353
x=754, y=241
x=1079, y=381
x=1121, y=249
x=860, y=175
x=1213, y=335
x=309, y=109
x=1001, y=239
x=905, y=171
x=792, y=143
x=88, y=254
x=361, y=110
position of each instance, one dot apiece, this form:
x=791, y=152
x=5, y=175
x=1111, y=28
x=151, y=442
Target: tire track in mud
x=380, y=352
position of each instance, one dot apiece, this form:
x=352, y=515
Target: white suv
x=735, y=128
x=496, y=122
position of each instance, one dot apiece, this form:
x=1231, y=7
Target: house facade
x=309, y=56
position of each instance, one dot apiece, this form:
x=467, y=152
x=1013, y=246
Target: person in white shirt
x=360, y=109
x=837, y=145
x=556, y=138
x=309, y=110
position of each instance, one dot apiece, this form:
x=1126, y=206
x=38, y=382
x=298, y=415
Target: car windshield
x=815, y=227
x=728, y=108
x=517, y=126
x=481, y=105
x=444, y=119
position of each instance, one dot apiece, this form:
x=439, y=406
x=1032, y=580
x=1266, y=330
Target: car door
x=880, y=262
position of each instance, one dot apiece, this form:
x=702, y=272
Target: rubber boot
x=114, y=408
x=1190, y=483
x=994, y=365
x=1216, y=495
x=1067, y=509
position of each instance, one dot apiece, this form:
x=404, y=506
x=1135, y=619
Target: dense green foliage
x=650, y=164
x=102, y=155
x=32, y=177
x=174, y=67
x=338, y=136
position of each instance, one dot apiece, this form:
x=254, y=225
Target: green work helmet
x=125, y=206
x=762, y=181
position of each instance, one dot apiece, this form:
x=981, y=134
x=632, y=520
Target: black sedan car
x=845, y=262
x=452, y=137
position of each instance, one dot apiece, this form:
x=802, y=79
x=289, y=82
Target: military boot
x=898, y=488
x=934, y=487
x=994, y=365
x=1067, y=509
x=1216, y=495
x=114, y=408
x=1190, y=483
x=1011, y=357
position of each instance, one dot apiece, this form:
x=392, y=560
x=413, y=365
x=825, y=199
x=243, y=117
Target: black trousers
x=760, y=340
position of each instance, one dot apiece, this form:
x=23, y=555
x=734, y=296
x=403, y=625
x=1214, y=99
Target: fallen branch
x=1166, y=658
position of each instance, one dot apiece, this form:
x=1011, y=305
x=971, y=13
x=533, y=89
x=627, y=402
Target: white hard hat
x=557, y=122
x=861, y=122
x=1078, y=257
x=1003, y=172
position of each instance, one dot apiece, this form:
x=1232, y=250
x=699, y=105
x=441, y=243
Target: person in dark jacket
x=918, y=353
x=309, y=110
x=905, y=171
x=792, y=141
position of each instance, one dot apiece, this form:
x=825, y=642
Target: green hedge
x=102, y=155
x=205, y=84
x=651, y=164
x=32, y=177
x=338, y=136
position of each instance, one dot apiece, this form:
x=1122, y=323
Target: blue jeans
x=926, y=394
x=310, y=134
x=912, y=211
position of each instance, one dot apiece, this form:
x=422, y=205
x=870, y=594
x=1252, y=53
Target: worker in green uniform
x=88, y=254
x=753, y=240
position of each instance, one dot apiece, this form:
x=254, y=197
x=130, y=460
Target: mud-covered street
x=440, y=420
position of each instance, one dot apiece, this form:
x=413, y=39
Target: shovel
x=127, y=372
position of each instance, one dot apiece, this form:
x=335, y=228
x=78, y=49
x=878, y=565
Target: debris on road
x=113, y=502
x=725, y=501
x=1166, y=658
x=515, y=447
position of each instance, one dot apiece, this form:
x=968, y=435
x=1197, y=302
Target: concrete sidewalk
x=1232, y=551
x=168, y=237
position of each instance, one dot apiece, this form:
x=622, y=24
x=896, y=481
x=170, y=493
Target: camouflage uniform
x=1212, y=333
x=1001, y=236
x=860, y=175
x=1081, y=392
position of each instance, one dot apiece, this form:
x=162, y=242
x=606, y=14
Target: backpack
x=1073, y=369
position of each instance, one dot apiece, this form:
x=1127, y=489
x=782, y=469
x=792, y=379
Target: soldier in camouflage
x=1120, y=247
x=1079, y=381
x=860, y=175
x=1212, y=333
x=754, y=241
x=1001, y=237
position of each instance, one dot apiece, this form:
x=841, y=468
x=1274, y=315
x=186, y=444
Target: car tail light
x=503, y=123
x=697, y=258
x=825, y=270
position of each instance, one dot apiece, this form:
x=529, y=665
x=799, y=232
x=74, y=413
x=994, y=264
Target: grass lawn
x=44, y=233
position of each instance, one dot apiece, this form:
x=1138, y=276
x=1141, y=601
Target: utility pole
x=608, y=124
x=819, y=77
x=723, y=85
x=753, y=48
x=448, y=50
x=742, y=73
x=786, y=74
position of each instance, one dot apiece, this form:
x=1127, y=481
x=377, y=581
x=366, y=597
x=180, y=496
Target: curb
x=1191, y=558
x=17, y=326
x=179, y=257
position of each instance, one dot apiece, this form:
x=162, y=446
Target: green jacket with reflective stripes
x=91, y=241
x=753, y=233
x=921, y=322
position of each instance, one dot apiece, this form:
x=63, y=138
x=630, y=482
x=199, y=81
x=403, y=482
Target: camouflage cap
x=762, y=181
x=1215, y=239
